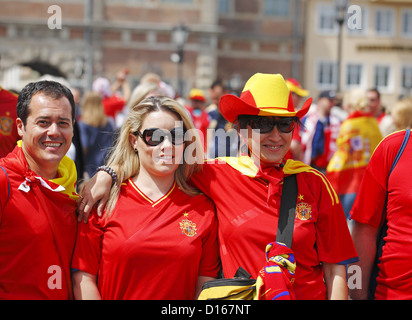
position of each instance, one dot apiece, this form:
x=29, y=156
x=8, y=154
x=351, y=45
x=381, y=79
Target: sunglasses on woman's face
x=267, y=124
x=155, y=136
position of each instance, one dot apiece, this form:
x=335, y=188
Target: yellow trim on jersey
x=246, y=166
x=153, y=203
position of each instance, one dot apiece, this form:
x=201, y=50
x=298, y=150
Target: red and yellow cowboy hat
x=263, y=95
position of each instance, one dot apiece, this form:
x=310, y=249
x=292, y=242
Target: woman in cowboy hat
x=247, y=190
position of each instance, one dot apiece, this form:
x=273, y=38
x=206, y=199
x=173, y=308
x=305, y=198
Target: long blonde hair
x=93, y=111
x=126, y=161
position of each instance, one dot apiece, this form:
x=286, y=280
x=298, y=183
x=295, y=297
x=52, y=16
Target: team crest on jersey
x=303, y=211
x=188, y=227
x=6, y=125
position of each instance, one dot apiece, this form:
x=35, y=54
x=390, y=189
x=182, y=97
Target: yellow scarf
x=67, y=176
x=246, y=166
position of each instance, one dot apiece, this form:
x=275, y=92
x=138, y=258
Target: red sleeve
x=88, y=249
x=210, y=262
x=4, y=190
x=370, y=200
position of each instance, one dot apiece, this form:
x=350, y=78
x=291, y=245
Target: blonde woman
x=96, y=132
x=401, y=113
x=358, y=137
x=158, y=236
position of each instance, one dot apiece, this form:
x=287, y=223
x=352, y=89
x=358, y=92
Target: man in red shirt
x=394, y=280
x=37, y=197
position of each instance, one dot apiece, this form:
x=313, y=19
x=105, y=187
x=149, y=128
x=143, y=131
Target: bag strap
x=287, y=210
x=8, y=184
x=382, y=232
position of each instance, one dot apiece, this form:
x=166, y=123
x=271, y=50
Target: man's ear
x=20, y=127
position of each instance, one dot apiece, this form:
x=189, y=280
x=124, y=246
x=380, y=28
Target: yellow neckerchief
x=67, y=176
x=246, y=166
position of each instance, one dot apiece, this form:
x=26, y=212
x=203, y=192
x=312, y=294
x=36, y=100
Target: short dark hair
x=49, y=88
x=217, y=83
x=376, y=91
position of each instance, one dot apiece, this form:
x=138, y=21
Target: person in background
x=8, y=116
x=158, y=237
x=198, y=114
x=37, y=198
x=96, y=133
x=297, y=92
x=374, y=104
x=113, y=100
x=358, y=137
x=321, y=129
x=382, y=115
x=216, y=91
x=401, y=113
x=222, y=140
x=247, y=190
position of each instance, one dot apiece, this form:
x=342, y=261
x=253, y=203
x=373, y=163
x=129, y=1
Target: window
x=382, y=79
x=406, y=27
x=326, y=75
x=223, y=6
x=326, y=23
x=406, y=78
x=278, y=8
x=385, y=22
x=354, y=75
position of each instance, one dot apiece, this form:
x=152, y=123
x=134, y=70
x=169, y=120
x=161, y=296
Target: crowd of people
x=137, y=193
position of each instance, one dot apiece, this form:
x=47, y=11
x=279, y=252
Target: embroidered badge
x=188, y=227
x=6, y=125
x=303, y=210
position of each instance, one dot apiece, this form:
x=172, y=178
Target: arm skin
x=335, y=280
x=364, y=238
x=200, y=281
x=96, y=191
x=84, y=286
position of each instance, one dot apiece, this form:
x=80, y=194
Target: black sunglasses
x=155, y=136
x=267, y=124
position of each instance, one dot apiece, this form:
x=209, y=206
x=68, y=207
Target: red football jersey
x=37, y=231
x=394, y=279
x=150, y=249
x=248, y=209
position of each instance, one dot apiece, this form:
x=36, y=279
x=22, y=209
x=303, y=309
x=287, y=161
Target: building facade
x=376, y=47
x=228, y=39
